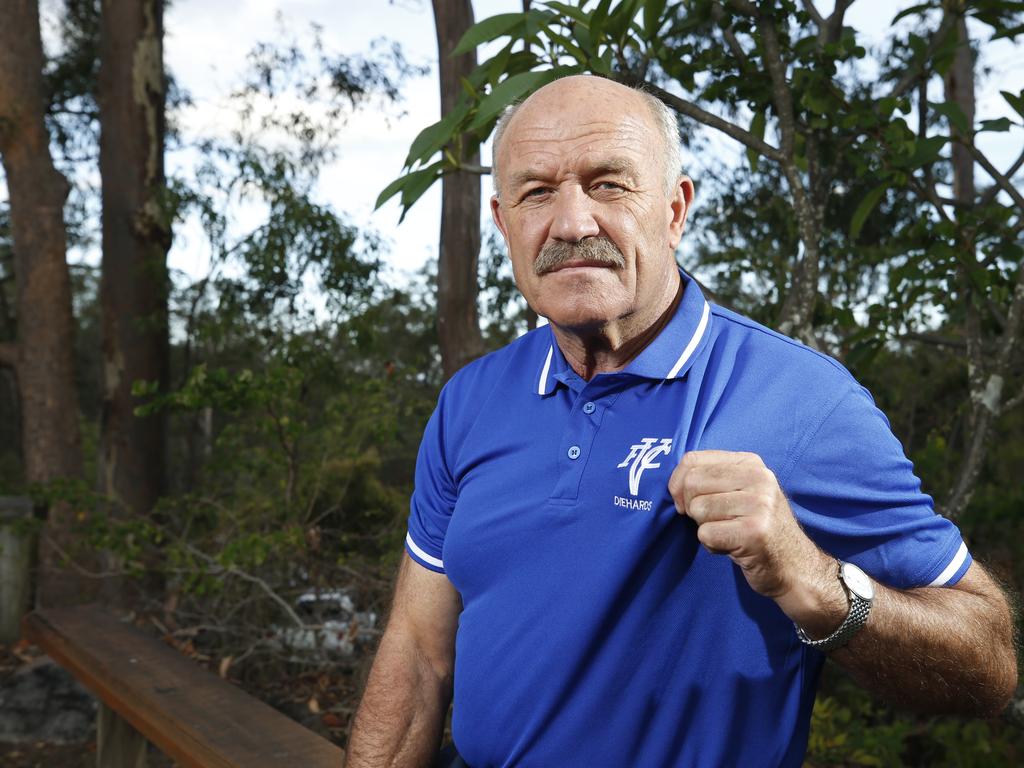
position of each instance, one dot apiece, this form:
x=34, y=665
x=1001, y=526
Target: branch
x=744, y=7
x=1012, y=327
x=1009, y=405
x=8, y=354
x=927, y=191
x=717, y=13
x=992, y=171
x=990, y=194
x=934, y=338
x=691, y=110
x=68, y=560
x=245, y=576
x=270, y=593
x=834, y=25
x=814, y=13
x=911, y=76
x=781, y=95
x=482, y=170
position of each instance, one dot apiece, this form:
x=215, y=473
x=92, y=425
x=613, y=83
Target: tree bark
x=42, y=358
x=136, y=237
x=959, y=89
x=458, y=324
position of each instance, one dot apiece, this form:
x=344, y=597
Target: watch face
x=857, y=581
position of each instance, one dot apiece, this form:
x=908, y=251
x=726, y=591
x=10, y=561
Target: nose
x=572, y=215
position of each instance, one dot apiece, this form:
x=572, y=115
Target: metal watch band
x=855, y=619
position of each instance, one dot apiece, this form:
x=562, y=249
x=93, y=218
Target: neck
x=611, y=347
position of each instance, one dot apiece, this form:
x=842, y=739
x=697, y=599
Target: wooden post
x=118, y=745
x=16, y=544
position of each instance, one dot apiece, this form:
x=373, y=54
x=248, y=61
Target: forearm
x=937, y=650
x=401, y=717
x=929, y=649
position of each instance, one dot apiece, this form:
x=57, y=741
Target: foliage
x=303, y=376
x=848, y=728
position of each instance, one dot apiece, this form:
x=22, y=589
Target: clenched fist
x=740, y=511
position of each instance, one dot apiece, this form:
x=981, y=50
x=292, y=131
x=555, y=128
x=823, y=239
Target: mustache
x=597, y=249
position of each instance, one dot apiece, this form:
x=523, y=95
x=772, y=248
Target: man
x=619, y=518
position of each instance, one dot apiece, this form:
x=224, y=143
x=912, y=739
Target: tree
x=42, y=356
x=458, y=324
x=136, y=237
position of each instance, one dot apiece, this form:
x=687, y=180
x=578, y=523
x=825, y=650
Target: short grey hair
x=664, y=121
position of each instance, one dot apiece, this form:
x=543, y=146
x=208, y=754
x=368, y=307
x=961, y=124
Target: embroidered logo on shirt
x=643, y=455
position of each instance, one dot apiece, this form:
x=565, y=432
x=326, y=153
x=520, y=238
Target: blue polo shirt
x=595, y=629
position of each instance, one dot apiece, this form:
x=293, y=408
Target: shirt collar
x=669, y=356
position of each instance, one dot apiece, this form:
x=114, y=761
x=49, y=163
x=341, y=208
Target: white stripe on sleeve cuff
x=435, y=561
x=950, y=570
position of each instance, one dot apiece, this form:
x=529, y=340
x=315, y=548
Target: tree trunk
x=136, y=237
x=42, y=358
x=458, y=326
x=959, y=89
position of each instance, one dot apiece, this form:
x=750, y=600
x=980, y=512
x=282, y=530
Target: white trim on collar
x=542, y=385
x=694, y=341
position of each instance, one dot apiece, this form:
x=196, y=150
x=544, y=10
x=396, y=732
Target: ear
x=679, y=203
x=499, y=220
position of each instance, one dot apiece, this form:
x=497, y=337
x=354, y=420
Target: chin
x=581, y=314
x=582, y=302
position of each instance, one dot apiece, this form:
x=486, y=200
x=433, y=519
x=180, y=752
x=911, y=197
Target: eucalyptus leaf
x=1000, y=125
x=653, y=11
x=864, y=209
x=1015, y=101
x=489, y=29
x=569, y=11
x=511, y=90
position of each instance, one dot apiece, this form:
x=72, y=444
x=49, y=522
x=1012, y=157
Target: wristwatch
x=860, y=591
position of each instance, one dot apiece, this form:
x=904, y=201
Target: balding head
x=599, y=93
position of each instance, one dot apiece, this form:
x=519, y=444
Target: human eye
x=535, y=193
x=608, y=187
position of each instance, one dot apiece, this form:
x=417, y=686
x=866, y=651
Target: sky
x=207, y=41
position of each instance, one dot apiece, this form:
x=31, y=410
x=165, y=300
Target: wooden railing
x=149, y=691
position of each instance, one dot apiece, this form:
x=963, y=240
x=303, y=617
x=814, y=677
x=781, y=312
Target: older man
x=637, y=531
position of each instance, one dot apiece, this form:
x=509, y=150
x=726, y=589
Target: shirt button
x=574, y=452
x=589, y=408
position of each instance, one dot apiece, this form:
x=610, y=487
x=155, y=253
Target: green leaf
x=488, y=29
x=952, y=112
x=927, y=150
x=867, y=205
x=619, y=21
x=998, y=126
x=569, y=11
x=653, y=10
x=568, y=46
x=432, y=138
x=416, y=184
x=1010, y=32
x=510, y=90
x=757, y=126
x=391, y=190
x=599, y=17
x=912, y=10
x=1017, y=102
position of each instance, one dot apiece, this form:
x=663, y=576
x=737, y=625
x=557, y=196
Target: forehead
x=579, y=134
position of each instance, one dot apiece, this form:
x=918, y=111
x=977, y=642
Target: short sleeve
x=433, y=497
x=855, y=493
